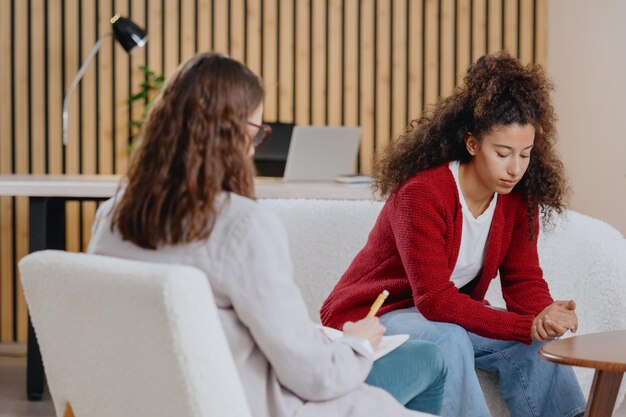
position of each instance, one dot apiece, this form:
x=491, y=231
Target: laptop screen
x=322, y=153
x=271, y=157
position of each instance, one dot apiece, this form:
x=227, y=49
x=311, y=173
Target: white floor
x=13, y=401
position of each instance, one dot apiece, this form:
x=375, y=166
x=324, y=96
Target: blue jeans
x=414, y=373
x=530, y=386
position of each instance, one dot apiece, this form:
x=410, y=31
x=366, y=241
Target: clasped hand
x=554, y=321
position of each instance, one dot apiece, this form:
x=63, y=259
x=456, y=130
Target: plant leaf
x=146, y=70
x=138, y=96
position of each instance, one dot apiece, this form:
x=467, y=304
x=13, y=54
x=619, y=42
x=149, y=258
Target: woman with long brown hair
x=189, y=199
x=465, y=187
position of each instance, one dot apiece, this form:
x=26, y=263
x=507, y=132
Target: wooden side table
x=606, y=353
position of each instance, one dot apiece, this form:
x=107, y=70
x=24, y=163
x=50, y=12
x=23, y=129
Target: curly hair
x=193, y=147
x=497, y=90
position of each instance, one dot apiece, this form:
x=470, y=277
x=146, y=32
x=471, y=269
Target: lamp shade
x=127, y=33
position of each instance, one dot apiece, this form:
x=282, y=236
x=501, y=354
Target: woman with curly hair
x=189, y=199
x=465, y=187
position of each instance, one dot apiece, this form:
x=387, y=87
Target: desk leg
x=603, y=393
x=47, y=231
x=34, y=367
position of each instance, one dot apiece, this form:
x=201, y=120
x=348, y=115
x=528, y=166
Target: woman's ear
x=471, y=143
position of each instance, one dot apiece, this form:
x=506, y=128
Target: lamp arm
x=77, y=79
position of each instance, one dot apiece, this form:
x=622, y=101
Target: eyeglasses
x=261, y=134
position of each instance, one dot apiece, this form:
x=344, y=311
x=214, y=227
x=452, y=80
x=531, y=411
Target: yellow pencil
x=379, y=302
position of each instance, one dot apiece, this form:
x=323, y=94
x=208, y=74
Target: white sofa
x=582, y=258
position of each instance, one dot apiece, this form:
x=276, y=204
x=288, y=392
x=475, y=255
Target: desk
x=604, y=352
x=47, y=196
x=104, y=186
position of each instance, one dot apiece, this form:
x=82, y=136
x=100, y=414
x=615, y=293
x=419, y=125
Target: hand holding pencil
x=369, y=327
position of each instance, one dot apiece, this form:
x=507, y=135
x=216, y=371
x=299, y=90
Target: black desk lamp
x=127, y=33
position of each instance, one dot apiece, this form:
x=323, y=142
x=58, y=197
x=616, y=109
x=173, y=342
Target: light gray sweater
x=287, y=367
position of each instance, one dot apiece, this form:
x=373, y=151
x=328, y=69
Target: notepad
x=387, y=344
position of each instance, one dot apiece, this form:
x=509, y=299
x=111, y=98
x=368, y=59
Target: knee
x=439, y=368
x=433, y=354
x=456, y=338
x=530, y=352
x=426, y=357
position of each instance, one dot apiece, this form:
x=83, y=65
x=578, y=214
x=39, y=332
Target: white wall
x=587, y=62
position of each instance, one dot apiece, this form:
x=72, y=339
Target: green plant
x=149, y=88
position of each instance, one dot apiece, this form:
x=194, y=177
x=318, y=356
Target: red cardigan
x=413, y=249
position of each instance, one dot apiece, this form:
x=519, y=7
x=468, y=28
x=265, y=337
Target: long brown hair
x=497, y=90
x=194, y=146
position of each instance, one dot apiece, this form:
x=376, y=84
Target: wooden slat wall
x=7, y=288
x=372, y=63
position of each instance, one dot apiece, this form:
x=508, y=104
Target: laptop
x=271, y=157
x=321, y=153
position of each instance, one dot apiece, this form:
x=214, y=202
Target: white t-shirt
x=473, y=237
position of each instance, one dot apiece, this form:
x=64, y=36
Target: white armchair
x=125, y=338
